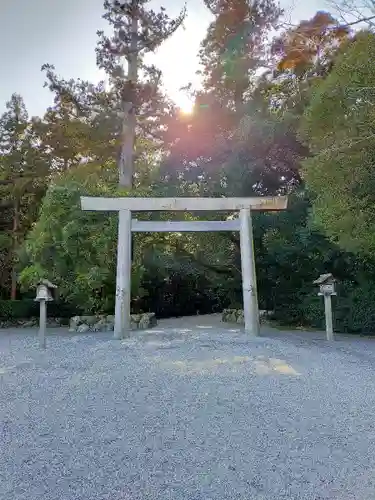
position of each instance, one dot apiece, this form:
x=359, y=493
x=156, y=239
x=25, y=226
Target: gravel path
x=194, y=413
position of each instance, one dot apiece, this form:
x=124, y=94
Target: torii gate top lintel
x=184, y=204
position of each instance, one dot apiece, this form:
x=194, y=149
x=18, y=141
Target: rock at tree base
x=240, y=317
x=74, y=323
x=237, y=316
x=29, y=323
x=83, y=328
x=83, y=324
x=99, y=326
x=89, y=320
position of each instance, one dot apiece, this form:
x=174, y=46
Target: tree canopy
x=290, y=113
x=338, y=127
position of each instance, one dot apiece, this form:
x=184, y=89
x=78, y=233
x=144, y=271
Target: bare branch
x=347, y=9
x=337, y=26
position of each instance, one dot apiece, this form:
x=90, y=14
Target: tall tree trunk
x=16, y=224
x=126, y=157
x=238, y=101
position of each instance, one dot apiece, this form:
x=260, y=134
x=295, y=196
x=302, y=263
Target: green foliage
x=354, y=308
x=28, y=308
x=76, y=249
x=18, y=309
x=23, y=172
x=339, y=129
x=293, y=256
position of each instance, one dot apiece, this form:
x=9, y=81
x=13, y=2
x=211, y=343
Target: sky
x=63, y=33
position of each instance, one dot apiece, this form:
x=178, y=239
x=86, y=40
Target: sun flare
x=185, y=105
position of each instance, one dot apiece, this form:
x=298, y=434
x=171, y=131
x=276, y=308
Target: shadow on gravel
x=260, y=365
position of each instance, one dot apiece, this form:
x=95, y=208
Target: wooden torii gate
x=243, y=224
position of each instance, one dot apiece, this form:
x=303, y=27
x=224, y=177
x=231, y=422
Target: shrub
x=353, y=309
x=27, y=308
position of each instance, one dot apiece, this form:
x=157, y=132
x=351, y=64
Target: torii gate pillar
x=123, y=275
x=249, y=280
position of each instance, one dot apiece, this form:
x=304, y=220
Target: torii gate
x=243, y=224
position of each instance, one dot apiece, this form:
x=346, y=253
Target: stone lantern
x=44, y=293
x=326, y=284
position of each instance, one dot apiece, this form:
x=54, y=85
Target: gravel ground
x=194, y=413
